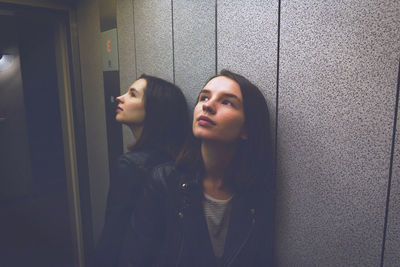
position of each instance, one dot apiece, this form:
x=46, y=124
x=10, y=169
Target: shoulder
x=163, y=174
x=170, y=178
x=142, y=158
x=163, y=170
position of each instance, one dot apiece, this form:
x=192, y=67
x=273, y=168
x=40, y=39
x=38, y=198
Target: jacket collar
x=241, y=220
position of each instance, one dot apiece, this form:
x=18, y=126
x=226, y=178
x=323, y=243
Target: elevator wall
x=329, y=73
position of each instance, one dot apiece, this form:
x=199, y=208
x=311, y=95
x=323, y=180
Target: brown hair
x=166, y=123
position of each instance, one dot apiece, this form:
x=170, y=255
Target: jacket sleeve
x=121, y=199
x=147, y=228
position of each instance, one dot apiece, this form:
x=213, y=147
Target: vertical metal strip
x=80, y=138
x=391, y=167
x=216, y=37
x=111, y=78
x=277, y=89
x=134, y=37
x=173, y=41
x=64, y=85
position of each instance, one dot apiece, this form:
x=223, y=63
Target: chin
x=201, y=133
x=207, y=137
x=117, y=119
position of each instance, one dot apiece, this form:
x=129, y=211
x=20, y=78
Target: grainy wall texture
x=332, y=80
x=336, y=106
x=194, y=45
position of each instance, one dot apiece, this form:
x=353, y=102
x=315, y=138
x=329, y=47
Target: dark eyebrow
x=206, y=91
x=232, y=96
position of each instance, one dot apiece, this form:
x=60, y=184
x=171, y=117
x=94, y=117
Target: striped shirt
x=217, y=213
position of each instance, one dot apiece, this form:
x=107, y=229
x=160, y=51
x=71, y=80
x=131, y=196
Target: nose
x=119, y=99
x=209, y=107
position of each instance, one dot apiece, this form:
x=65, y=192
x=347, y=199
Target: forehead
x=223, y=85
x=139, y=85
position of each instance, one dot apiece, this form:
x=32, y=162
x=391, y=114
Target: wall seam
x=277, y=89
x=173, y=41
x=391, y=167
x=134, y=36
x=216, y=37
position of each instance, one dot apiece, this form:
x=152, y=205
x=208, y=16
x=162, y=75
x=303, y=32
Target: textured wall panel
x=93, y=94
x=392, y=249
x=336, y=106
x=247, y=42
x=153, y=33
x=126, y=53
x=194, y=45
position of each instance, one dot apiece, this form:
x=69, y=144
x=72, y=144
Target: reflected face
x=131, y=110
x=219, y=114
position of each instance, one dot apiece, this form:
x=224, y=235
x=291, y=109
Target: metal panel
x=110, y=50
x=153, y=32
x=194, y=45
x=392, y=246
x=108, y=24
x=126, y=51
x=93, y=98
x=247, y=42
x=336, y=106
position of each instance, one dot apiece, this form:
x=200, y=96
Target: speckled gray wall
x=247, y=42
x=336, y=105
x=93, y=94
x=153, y=35
x=194, y=45
x=338, y=73
x=392, y=248
x=126, y=54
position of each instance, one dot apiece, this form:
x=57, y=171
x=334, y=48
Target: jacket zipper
x=230, y=261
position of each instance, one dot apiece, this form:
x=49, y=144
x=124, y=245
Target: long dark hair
x=166, y=123
x=252, y=165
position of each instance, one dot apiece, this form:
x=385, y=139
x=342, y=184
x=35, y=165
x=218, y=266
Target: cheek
x=234, y=124
x=136, y=111
x=196, y=111
x=198, y=108
x=136, y=106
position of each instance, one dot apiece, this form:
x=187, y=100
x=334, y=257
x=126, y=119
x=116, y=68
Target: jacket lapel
x=197, y=239
x=239, y=228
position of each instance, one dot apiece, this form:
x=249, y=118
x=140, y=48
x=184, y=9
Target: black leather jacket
x=170, y=228
x=132, y=169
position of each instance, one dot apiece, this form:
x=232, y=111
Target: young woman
x=215, y=206
x=156, y=112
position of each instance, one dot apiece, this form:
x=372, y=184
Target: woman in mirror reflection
x=156, y=112
x=215, y=205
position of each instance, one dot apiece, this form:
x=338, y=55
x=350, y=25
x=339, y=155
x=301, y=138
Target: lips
x=204, y=120
x=119, y=109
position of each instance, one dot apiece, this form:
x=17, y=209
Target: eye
x=132, y=93
x=227, y=102
x=203, y=98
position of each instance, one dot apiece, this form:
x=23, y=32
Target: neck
x=216, y=158
x=136, y=131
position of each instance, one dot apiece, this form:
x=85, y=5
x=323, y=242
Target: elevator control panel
x=110, y=50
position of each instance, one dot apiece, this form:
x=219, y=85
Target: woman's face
x=219, y=115
x=130, y=110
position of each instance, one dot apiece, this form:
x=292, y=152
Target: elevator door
x=35, y=223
